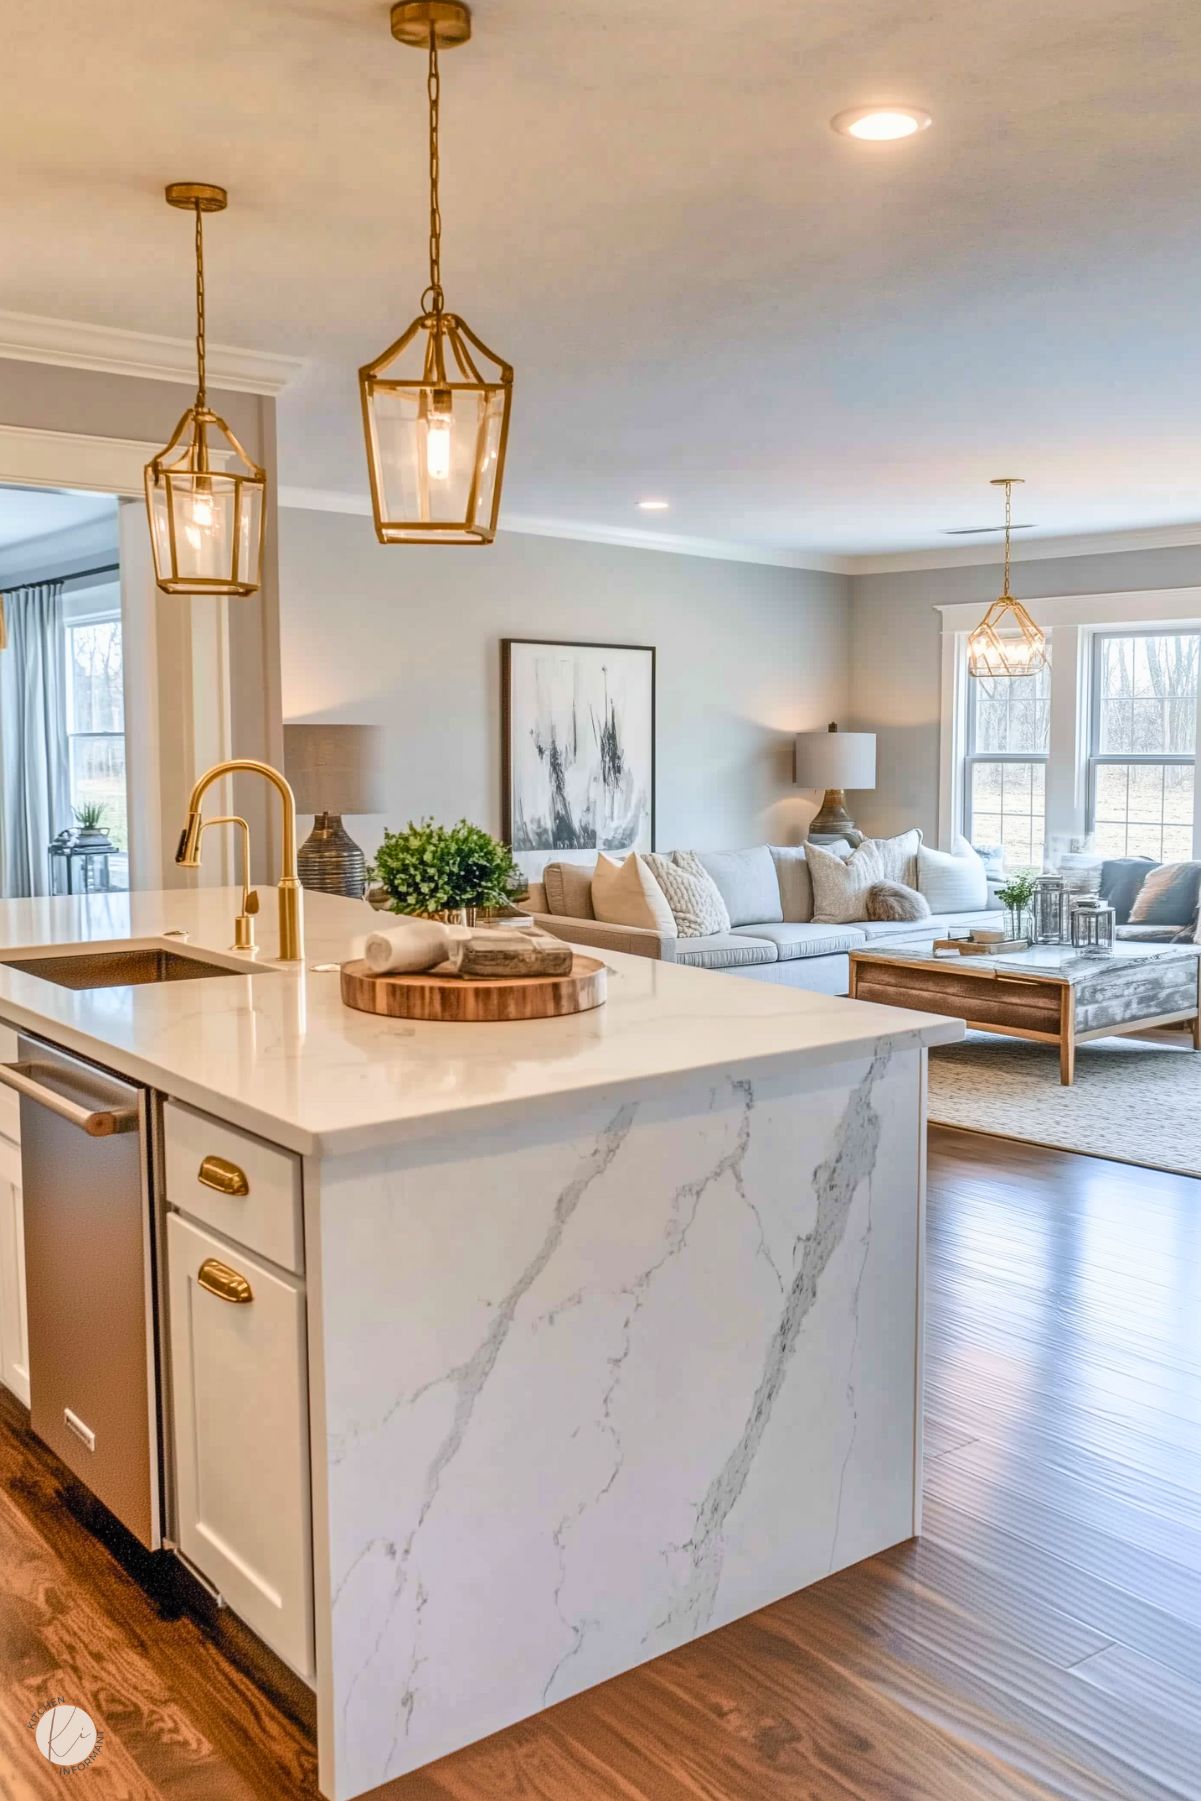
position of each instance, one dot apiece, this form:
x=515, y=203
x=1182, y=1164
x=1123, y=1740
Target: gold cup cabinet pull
x=225, y=1177
x=224, y=1282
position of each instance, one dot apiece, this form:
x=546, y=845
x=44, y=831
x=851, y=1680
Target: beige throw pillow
x=691, y=893
x=840, y=887
x=627, y=894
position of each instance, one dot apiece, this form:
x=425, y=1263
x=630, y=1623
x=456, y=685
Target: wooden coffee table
x=1049, y=993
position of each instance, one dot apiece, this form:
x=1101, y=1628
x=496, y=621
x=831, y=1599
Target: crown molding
x=1033, y=550
x=70, y=344
x=326, y=500
x=59, y=459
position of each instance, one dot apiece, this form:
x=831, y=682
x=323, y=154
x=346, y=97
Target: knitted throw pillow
x=893, y=900
x=692, y=894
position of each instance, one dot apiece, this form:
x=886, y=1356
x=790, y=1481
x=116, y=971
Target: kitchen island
x=606, y=1330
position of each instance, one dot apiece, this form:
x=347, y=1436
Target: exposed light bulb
x=437, y=448
x=202, y=508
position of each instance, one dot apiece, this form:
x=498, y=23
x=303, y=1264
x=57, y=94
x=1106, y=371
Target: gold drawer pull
x=225, y=1177
x=224, y=1282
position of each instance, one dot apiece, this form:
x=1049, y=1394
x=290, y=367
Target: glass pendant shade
x=1006, y=642
x=205, y=501
x=436, y=420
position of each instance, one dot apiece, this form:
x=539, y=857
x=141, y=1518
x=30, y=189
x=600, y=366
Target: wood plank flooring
x=1043, y=1637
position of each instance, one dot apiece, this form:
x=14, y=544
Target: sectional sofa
x=773, y=936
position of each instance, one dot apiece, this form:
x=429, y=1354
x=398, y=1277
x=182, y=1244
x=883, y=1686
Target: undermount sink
x=120, y=969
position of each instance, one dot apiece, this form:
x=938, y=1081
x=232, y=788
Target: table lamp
x=835, y=761
x=333, y=769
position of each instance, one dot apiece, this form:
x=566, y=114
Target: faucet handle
x=252, y=900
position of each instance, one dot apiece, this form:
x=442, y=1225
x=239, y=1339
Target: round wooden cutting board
x=472, y=1001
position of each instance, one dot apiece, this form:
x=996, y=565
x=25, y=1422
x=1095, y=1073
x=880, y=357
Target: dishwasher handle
x=103, y=1122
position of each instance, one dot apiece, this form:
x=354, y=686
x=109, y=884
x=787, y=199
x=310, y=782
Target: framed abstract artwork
x=578, y=749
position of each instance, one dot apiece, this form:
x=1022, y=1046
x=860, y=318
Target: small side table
x=91, y=860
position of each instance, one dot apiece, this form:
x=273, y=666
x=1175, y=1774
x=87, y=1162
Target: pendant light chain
x=433, y=88
x=1008, y=526
x=201, y=396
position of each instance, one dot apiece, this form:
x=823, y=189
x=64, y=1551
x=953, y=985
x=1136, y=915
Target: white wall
x=410, y=638
x=895, y=658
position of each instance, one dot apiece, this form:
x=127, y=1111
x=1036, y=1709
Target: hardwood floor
x=1043, y=1637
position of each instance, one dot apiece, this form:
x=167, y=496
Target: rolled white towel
x=407, y=948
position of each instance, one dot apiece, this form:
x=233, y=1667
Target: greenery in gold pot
x=430, y=869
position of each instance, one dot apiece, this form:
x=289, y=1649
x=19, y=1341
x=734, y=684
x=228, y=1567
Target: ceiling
x=27, y=514
x=807, y=343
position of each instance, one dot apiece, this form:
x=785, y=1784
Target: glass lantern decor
x=1093, y=927
x=1051, y=910
x=436, y=403
x=204, y=496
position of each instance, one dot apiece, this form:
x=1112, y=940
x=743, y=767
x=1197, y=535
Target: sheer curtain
x=34, y=785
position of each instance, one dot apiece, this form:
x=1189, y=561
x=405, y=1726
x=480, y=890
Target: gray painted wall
x=895, y=659
x=410, y=638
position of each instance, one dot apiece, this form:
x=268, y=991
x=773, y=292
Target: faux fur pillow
x=892, y=900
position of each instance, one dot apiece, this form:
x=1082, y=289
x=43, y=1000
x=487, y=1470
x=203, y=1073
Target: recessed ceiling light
x=653, y=506
x=879, y=124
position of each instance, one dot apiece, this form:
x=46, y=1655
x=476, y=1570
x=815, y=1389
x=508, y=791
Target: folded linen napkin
x=411, y=946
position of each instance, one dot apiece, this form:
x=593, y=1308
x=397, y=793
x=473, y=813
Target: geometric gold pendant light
x=1006, y=642
x=436, y=403
x=204, y=496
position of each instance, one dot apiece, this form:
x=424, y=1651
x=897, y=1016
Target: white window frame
x=1098, y=758
x=1072, y=620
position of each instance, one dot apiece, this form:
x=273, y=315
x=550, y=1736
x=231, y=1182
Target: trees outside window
x=96, y=721
x=1142, y=766
x=1008, y=732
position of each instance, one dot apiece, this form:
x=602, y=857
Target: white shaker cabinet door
x=240, y=1412
x=14, y=1330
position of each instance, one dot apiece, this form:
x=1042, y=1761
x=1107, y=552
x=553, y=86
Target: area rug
x=1135, y=1100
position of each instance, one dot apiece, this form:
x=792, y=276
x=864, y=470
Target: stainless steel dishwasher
x=89, y=1275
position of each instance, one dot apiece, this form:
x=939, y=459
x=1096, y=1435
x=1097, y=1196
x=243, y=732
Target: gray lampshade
x=835, y=759
x=335, y=768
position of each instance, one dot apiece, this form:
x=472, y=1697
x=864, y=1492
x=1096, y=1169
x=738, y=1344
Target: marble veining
x=667, y=1376
x=835, y=1182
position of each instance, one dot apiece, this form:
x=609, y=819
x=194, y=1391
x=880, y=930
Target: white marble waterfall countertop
x=277, y=1052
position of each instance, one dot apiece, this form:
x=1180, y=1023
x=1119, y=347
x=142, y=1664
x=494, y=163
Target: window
x=1142, y=765
x=96, y=721
x=1008, y=731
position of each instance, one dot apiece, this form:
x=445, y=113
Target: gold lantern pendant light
x=436, y=403
x=1006, y=642
x=204, y=496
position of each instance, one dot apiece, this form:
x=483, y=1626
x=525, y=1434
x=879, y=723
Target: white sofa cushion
x=953, y=882
x=725, y=950
x=794, y=939
x=627, y=894
x=939, y=925
x=746, y=881
x=840, y=885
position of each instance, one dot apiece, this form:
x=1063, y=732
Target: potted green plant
x=1016, y=898
x=89, y=819
x=444, y=872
